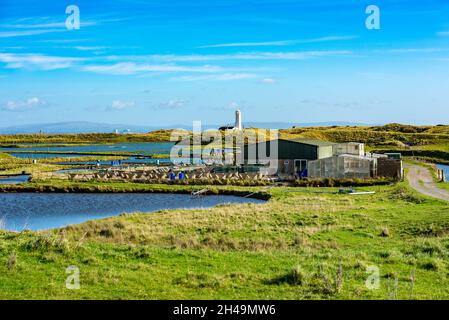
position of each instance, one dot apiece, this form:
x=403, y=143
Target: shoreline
x=155, y=188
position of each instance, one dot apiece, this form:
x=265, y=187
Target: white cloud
x=298, y=55
x=40, y=25
x=293, y=55
x=23, y=33
x=130, y=65
x=89, y=48
x=38, y=61
x=121, y=105
x=217, y=77
x=268, y=81
x=279, y=43
x=443, y=33
x=127, y=68
x=30, y=103
x=251, y=44
x=173, y=104
x=46, y=25
x=62, y=41
x=412, y=50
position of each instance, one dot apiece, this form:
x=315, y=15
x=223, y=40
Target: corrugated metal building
x=292, y=155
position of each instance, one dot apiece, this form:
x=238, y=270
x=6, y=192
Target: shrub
x=12, y=261
x=294, y=277
x=384, y=232
x=430, y=264
x=330, y=182
x=47, y=243
x=107, y=233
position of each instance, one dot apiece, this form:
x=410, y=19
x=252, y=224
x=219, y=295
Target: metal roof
x=318, y=143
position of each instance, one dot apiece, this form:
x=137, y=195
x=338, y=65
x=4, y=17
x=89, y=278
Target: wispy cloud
x=280, y=43
x=37, y=61
x=294, y=55
x=412, y=50
x=268, y=81
x=24, y=33
x=58, y=24
x=90, y=48
x=62, y=41
x=154, y=64
x=251, y=44
x=17, y=106
x=43, y=25
x=173, y=104
x=121, y=105
x=217, y=77
x=128, y=68
x=443, y=33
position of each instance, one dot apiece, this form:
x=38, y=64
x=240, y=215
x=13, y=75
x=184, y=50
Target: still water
x=141, y=148
x=39, y=211
x=445, y=169
x=14, y=180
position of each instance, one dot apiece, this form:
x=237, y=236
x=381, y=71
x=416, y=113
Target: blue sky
x=165, y=62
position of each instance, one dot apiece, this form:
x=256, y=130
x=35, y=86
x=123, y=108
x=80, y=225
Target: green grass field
x=443, y=185
x=304, y=243
x=299, y=245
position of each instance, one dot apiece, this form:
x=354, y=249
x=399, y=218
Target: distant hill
x=287, y=125
x=92, y=127
x=74, y=127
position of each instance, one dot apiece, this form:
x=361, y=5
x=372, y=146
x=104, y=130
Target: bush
x=294, y=277
x=12, y=261
x=385, y=232
x=329, y=182
x=431, y=264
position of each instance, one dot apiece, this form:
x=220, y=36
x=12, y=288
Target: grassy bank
x=297, y=245
x=64, y=186
x=12, y=165
x=85, y=138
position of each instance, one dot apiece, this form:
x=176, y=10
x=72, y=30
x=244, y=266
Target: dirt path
x=421, y=179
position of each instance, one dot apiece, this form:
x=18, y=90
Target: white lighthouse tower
x=238, y=120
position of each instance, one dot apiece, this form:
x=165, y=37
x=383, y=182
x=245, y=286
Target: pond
x=133, y=160
x=139, y=148
x=45, y=155
x=73, y=170
x=14, y=179
x=445, y=169
x=40, y=211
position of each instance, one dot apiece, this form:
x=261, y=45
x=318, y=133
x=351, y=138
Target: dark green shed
x=292, y=155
